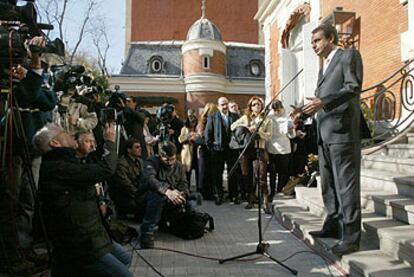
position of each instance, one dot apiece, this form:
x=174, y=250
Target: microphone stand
x=262, y=246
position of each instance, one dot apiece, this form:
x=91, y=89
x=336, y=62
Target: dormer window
x=156, y=64
x=206, y=62
x=255, y=67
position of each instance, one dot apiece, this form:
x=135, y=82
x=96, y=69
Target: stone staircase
x=387, y=198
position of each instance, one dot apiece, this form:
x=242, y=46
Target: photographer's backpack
x=191, y=225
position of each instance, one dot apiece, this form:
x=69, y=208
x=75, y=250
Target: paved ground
x=236, y=233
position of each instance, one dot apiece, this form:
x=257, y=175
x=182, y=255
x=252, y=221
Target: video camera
x=165, y=113
x=114, y=107
x=18, y=24
x=65, y=77
x=164, y=117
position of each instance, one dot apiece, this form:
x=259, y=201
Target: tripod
x=262, y=247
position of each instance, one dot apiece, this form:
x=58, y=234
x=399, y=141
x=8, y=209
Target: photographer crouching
x=163, y=191
x=82, y=246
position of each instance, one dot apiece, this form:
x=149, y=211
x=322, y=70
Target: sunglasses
x=256, y=104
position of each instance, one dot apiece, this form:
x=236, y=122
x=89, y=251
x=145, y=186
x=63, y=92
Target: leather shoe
x=325, y=234
x=249, y=206
x=219, y=200
x=147, y=241
x=343, y=248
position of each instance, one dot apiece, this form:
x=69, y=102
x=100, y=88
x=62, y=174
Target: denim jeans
x=152, y=203
x=157, y=209
x=115, y=263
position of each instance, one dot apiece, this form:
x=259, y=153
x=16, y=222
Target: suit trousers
x=340, y=182
x=218, y=158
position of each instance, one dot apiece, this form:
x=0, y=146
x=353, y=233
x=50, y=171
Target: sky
x=114, y=14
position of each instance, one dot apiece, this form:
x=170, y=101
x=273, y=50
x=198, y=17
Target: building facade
x=174, y=55
x=383, y=31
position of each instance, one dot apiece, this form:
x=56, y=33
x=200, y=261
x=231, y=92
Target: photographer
x=169, y=125
x=134, y=123
x=30, y=102
x=82, y=246
x=124, y=184
x=162, y=192
x=74, y=112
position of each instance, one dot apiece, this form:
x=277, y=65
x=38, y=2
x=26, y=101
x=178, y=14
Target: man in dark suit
x=338, y=116
x=217, y=137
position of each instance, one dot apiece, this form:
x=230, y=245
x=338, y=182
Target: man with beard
x=163, y=190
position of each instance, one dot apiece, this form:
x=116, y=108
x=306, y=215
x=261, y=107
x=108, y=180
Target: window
x=255, y=67
x=156, y=64
x=206, y=62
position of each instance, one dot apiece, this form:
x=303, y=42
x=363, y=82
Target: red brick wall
x=171, y=19
x=192, y=63
x=382, y=22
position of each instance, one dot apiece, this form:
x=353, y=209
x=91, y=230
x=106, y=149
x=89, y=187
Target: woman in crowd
x=203, y=155
x=251, y=120
x=187, y=138
x=150, y=140
x=279, y=148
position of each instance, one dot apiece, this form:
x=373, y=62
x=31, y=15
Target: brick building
x=383, y=31
x=174, y=55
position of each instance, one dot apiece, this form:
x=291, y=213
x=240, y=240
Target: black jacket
x=158, y=177
x=68, y=197
x=216, y=136
x=34, y=101
x=134, y=126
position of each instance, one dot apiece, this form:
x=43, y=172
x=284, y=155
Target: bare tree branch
x=92, y=4
x=101, y=42
x=60, y=17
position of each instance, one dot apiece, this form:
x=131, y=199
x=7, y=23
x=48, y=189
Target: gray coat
x=339, y=89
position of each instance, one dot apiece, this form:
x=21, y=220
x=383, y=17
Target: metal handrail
x=389, y=113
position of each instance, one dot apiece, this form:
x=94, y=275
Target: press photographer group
x=73, y=162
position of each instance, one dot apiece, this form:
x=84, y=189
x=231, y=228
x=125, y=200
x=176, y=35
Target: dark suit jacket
x=339, y=89
x=216, y=136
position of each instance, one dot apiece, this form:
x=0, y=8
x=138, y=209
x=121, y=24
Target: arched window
x=255, y=68
x=156, y=64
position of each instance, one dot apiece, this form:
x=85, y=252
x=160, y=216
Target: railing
x=388, y=107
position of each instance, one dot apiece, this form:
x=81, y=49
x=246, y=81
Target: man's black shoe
x=219, y=200
x=235, y=200
x=147, y=241
x=325, y=234
x=36, y=258
x=249, y=206
x=343, y=248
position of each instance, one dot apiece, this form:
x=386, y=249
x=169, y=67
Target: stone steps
x=385, y=180
x=401, y=150
x=384, y=203
x=384, y=219
x=388, y=163
x=369, y=261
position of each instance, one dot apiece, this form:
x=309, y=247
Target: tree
x=91, y=29
x=101, y=42
x=56, y=13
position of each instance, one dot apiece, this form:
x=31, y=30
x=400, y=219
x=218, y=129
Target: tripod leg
x=293, y=271
x=222, y=261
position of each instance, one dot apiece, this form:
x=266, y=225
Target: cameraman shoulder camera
x=32, y=97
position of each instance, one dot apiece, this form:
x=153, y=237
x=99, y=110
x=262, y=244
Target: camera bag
x=191, y=224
